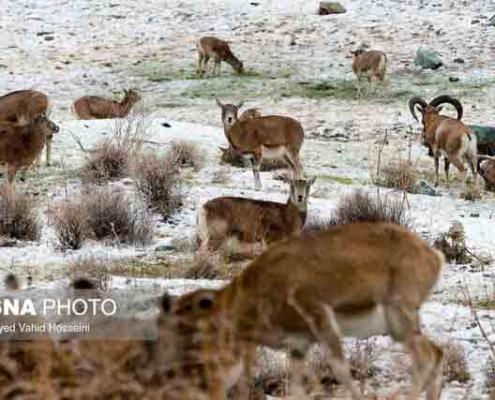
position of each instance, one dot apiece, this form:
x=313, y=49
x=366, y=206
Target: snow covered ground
x=68, y=49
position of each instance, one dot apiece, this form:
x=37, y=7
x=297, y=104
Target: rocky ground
x=299, y=65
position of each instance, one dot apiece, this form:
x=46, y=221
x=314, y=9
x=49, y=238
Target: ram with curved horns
x=447, y=136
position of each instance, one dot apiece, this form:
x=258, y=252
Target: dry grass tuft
x=114, y=157
x=159, y=181
x=205, y=266
x=71, y=225
x=107, y=163
x=490, y=375
x=19, y=218
x=187, y=155
x=453, y=244
x=397, y=175
x=360, y=206
x=96, y=270
x=455, y=366
x=111, y=216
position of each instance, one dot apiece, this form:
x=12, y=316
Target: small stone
x=166, y=125
x=49, y=38
x=474, y=215
x=453, y=79
x=459, y=60
x=428, y=59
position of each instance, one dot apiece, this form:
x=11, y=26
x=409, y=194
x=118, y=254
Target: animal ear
x=240, y=104
x=219, y=103
x=165, y=303
x=311, y=181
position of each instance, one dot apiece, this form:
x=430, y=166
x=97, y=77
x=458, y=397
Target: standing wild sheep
x=271, y=136
x=21, y=145
x=96, y=107
x=245, y=226
x=21, y=107
x=218, y=50
x=369, y=64
x=447, y=136
x=347, y=281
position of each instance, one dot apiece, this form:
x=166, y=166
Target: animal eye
x=205, y=304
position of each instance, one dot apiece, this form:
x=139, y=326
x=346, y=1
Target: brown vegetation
x=19, y=218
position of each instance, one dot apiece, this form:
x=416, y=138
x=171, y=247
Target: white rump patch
x=364, y=324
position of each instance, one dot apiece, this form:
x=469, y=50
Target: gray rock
x=165, y=247
x=331, y=7
x=428, y=59
x=423, y=187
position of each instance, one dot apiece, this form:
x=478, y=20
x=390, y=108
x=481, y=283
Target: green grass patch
x=339, y=179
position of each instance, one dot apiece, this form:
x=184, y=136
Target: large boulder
x=428, y=59
x=331, y=7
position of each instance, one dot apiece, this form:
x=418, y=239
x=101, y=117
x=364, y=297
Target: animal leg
x=219, y=66
x=329, y=330
x=256, y=162
x=295, y=164
x=460, y=166
x=437, y=162
x=474, y=171
x=199, y=69
x=446, y=165
x=11, y=181
x=49, y=140
x=205, y=65
x=427, y=357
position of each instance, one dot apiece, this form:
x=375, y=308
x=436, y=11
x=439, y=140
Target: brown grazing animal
x=372, y=63
x=266, y=137
x=219, y=50
x=245, y=226
x=447, y=136
x=487, y=172
x=21, y=145
x=347, y=281
x=95, y=107
x=22, y=106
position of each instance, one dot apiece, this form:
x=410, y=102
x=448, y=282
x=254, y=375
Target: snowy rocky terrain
x=71, y=48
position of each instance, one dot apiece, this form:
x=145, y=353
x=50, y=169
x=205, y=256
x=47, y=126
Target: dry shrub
x=19, y=217
x=71, y=225
x=187, y=155
x=159, y=181
x=397, y=175
x=113, y=158
x=184, y=244
x=361, y=359
x=471, y=193
x=365, y=207
x=453, y=244
x=96, y=270
x=111, y=216
x=205, y=266
x=221, y=176
x=318, y=224
x=273, y=372
x=455, y=366
x=107, y=163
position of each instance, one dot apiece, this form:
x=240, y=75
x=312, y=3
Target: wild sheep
x=371, y=63
x=96, y=107
x=447, y=136
x=266, y=137
x=23, y=105
x=219, y=50
x=347, y=281
x=244, y=226
x=487, y=171
x=21, y=145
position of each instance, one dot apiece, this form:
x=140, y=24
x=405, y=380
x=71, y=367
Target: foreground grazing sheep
x=22, y=106
x=266, y=137
x=96, y=107
x=348, y=281
x=219, y=50
x=372, y=63
x=447, y=136
x=21, y=145
x=244, y=225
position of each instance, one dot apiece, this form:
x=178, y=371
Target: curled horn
x=412, y=104
x=445, y=99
